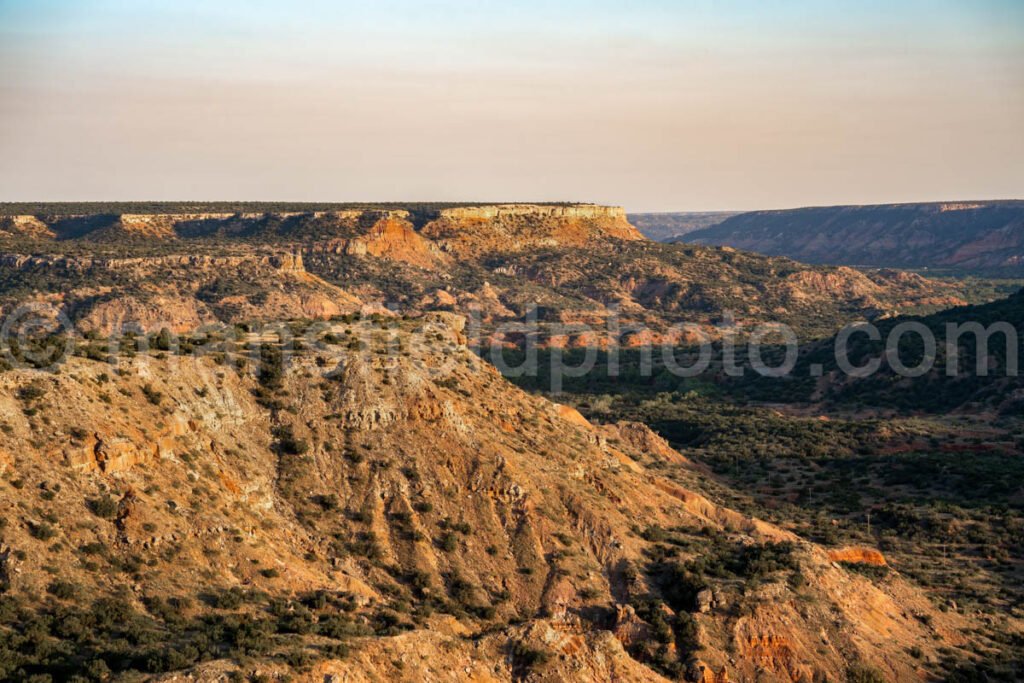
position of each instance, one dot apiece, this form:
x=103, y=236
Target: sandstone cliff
x=474, y=231
x=465, y=231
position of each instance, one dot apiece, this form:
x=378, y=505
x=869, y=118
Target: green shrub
x=152, y=395
x=448, y=542
x=63, y=590
x=31, y=392
x=104, y=507
x=860, y=673
x=42, y=531
x=288, y=444
x=527, y=658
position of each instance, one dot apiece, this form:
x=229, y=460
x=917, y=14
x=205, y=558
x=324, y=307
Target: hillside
x=352, y=514
x=952, y=235
x=999, y=391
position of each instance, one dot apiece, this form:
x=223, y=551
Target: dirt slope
x=456, y=528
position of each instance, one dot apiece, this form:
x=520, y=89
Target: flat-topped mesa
x=162, y=226
x=476, y=230
x=389, y=233
x=423, y=236
x=24, y=226
x=542, y=210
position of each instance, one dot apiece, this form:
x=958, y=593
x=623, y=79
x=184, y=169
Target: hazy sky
x=654, y=104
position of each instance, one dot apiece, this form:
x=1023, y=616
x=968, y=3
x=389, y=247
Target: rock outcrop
x=638, y=436
x=868, y=556
x=107, y=295
x=478, y=230
x=392, y=236
x=25, y=226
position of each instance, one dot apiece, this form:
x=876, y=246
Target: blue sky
x=653, y=104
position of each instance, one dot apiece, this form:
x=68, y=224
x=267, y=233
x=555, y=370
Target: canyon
x=276, y=450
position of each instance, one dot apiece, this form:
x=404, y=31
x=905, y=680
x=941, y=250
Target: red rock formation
x=858, y=556
x=392, y=236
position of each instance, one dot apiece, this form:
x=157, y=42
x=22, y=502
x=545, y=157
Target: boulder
x=117, y=455
x=701, y=672
x=629, y=628
x=704, y=600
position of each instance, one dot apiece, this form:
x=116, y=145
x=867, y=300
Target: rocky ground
x=406, y=515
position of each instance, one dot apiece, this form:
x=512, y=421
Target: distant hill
x=1000, y=390
x=664, y=227
x=987, y=235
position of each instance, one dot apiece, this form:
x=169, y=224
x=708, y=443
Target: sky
x=656, y=105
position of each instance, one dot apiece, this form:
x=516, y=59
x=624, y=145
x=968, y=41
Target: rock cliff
x=475, y=231
x=466, y=230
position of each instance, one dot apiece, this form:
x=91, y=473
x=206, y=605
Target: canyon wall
x=414, y=235
x=966, y=235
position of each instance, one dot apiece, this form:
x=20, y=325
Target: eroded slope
x=405, y=514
